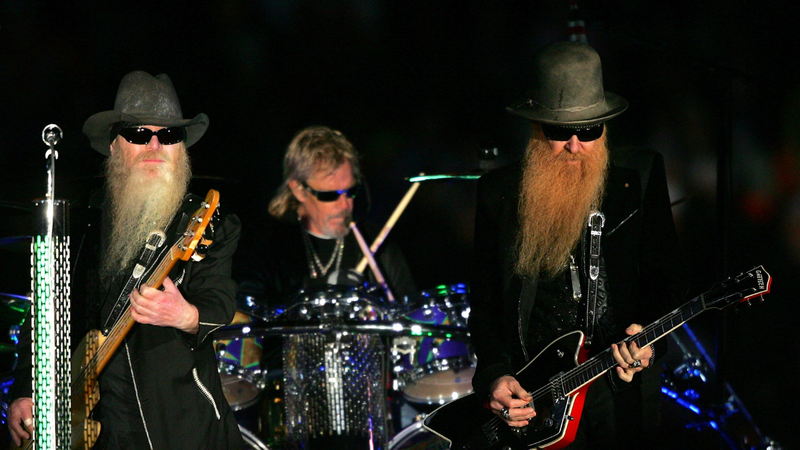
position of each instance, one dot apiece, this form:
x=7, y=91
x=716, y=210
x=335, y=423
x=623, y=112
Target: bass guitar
x=96, y=349
x=558, y=403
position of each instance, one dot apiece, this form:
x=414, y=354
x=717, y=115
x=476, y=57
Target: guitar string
x=596, y=360
x=206, y=210
x=119, y=326
x=543, y=391
x=713, y=294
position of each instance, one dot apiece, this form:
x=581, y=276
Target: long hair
x=313, y=149
x=140, y=203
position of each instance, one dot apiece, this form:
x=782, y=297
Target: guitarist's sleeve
x=486, y=323
x=208, y=284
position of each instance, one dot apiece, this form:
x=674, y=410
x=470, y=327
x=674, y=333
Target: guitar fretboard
x=717, y=298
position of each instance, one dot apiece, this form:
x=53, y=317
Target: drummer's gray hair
x=313, y=149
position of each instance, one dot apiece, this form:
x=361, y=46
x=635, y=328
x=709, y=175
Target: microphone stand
x=50, y=325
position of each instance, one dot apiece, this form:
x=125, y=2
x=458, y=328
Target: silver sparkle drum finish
x=335, y=382
x=433, y=370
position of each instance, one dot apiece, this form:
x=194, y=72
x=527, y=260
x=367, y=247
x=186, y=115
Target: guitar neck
x=123, y=326
x=716, y=298
x=604, y=361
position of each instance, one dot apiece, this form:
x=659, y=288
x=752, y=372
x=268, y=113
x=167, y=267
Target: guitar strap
x=155, y=240
x=596, y=222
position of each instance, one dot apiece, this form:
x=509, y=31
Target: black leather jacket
x=272, y=266
x=178, y=386
x=639, y=248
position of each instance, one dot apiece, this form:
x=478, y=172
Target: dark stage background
x=420, y=86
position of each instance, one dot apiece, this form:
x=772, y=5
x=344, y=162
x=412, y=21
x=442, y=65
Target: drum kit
x=355, y=368
x=350, y=359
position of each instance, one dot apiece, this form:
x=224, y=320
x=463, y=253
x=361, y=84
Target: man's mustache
x=164, y=156
x=346, y=215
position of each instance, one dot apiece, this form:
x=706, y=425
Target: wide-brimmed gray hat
x=568, y=89
x=143, y=99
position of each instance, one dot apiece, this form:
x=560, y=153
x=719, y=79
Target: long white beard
x=140, y=204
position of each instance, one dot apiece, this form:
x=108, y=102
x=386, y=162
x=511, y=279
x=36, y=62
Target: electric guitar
x=96, y=349
x=558, y=403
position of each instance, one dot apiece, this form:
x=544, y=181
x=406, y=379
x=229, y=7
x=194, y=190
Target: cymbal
x=16, y=243
x=16, y=302
x=445, y=176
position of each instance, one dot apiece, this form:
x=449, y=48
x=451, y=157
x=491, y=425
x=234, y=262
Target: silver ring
x=636, y=363
x=506, y=415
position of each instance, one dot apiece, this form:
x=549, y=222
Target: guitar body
x=557, y=417
x=85, y=392
x=564, y=376
x=96, y=349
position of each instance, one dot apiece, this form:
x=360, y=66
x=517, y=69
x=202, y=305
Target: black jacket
x=272, y=266
x=639, y=247
x=176, y=378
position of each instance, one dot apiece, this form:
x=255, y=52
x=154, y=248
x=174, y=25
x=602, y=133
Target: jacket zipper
x=519, y=323
x=205, y=392
x=136, y=391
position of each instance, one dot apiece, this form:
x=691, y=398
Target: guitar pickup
x=490, y=433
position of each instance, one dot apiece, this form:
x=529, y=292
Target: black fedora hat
x=568, y=89
x=143, y=99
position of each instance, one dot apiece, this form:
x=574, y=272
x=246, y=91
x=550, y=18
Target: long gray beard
x=555, y=202
x=139, y=205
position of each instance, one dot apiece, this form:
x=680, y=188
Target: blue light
x=669, y=393
x=691, y=394
x=713, y=424
x=680, y=401
x=688, y=406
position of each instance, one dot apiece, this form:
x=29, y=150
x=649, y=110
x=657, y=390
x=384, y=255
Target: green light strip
x=44, y=387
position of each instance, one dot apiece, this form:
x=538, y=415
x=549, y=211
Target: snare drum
x=334, y=382
x=239, y=364
x=433, y=370
x=417, y=437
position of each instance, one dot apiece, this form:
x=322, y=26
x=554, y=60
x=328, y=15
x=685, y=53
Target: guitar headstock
x=207, y=239
x=193, y=236
x=742, y=288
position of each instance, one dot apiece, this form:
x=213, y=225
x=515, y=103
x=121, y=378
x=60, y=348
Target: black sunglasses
x=142, y=136
x=332, y=196
x=565, y=133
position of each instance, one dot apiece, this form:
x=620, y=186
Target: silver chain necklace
x=314, y=261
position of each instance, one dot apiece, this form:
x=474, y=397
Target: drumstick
x=389, y=224
x=371, y=259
